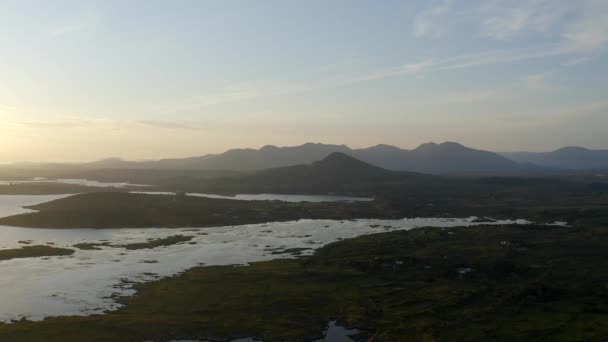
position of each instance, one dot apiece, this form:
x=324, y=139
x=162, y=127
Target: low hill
x=338, y=173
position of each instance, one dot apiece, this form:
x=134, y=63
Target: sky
x=83, y=80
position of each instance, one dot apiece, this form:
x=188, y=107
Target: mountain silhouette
x=336, y=173
x=445, y=158
x=569, y=158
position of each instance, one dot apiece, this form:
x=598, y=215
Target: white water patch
x=76, y=181
x=13, y=204
x=89, y=281
x=268, y=197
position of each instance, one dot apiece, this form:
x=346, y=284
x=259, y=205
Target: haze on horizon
x=85, y=80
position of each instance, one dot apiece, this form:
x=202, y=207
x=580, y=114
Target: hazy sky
x=81, y=80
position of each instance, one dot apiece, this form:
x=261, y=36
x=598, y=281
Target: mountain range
x=568, y=158
x=336, y=173
x=430, y=158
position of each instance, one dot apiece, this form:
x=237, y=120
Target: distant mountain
x=337, y=173
x=445, y=158
x=336, y=167
x=250, y=159
x=430, y=158
x=569, y=158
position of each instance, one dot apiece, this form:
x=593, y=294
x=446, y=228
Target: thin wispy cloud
x=507, y=19
x=576, y=61
x=45, y=124
x=173, y=125
x=252, y=91
x=580, y=26
x=429, y=22
x=590, y=31
x=106, y=123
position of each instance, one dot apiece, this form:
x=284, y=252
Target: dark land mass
x=121, y=210
x=36, y=251
x=498, y=283
x=397, y=195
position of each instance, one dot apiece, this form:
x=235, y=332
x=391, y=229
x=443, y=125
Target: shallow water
x=88, y=281
x=334, y=333
x=270, y=197
x=13, y=204
x=76, y=181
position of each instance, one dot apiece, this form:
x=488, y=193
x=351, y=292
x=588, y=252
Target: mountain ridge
x=431, y=158
x=574, y=158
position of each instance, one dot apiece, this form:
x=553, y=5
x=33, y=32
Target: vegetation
x=35, y=251
x=153, y=243
x=577, y=201
x=91, y=246
x=114, y=210
x=507, y=283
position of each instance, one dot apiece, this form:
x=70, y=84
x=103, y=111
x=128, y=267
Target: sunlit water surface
x=89, y=281
x=74, y=181
x=269, y=197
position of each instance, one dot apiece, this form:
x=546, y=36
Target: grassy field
x=507, y=283
x=34, y=252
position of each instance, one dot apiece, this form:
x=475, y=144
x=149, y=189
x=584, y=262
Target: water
x=270, y=197
x=76, y=181
x=88, y=281
x=337, y=333
x=334, y=333
x=13, y=204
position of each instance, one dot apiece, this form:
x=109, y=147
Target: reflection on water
x=74, y=181
x=13, y=204
x=269, y=197
x=336, y=333
x=89, y=281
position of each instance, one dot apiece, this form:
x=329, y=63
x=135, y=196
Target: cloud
x=174, y=125
x=589, y=31
x=429, y=21
x=255, y=90
x=576, y=61
x=5, y=110
x=506, y=19
x=580, y=26
x=238, y=92
x=75, y=123
x=470, y=60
